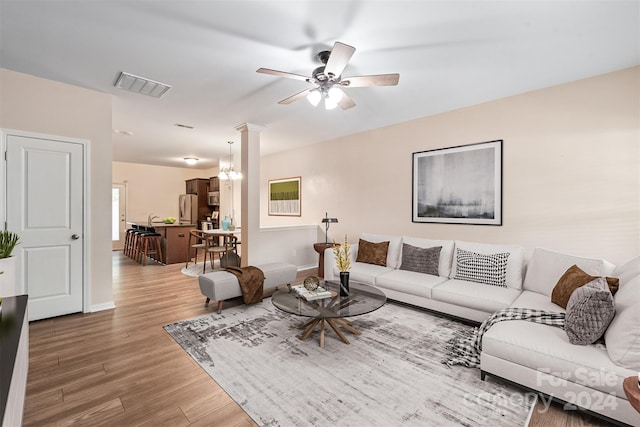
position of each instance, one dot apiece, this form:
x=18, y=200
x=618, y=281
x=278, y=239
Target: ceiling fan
x=328, y=79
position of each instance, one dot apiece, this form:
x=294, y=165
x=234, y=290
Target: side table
x=631, y=389
x=320, y=248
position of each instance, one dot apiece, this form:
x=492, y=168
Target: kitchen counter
x=160, y=224
x=174, y=240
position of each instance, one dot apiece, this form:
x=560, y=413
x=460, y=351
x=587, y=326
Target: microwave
x=213, y=198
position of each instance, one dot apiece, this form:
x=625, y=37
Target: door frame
x=86, y=184
x=126, y=202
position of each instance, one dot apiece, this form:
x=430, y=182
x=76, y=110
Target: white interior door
x=118, y=215
x=45, y=206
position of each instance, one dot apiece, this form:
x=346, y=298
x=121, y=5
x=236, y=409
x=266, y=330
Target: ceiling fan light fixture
x=314, y=97
x=336, y=94
x=329, y=104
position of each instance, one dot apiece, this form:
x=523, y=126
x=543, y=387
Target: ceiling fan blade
x=282, y=74
x=346, y=102
x=340, y=55
x=295, y=97
x=375, y=80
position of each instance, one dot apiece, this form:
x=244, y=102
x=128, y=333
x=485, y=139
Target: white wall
x=154, y=189
x=32, y=104
x=571, y=171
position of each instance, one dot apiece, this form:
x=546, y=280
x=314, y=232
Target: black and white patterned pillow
x=480, y=268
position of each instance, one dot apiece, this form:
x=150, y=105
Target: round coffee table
x=333, y=311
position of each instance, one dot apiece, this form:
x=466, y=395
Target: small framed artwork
x=285, y=197
x=458, y=185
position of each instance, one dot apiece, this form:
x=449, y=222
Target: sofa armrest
x=330, y=269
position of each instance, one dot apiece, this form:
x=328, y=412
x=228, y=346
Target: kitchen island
x=174, y=238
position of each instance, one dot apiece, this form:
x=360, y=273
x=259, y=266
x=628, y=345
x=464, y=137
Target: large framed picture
x=284, y=197
x=458, y=185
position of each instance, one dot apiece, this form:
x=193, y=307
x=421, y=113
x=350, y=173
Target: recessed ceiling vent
x=180, y=125
x=141, y=85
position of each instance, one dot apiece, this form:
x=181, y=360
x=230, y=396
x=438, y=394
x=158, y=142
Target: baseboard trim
x=101, y=307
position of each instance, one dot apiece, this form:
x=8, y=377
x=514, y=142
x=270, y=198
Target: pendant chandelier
x=229, y=172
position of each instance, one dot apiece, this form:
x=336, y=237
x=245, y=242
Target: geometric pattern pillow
x=589, y=312
x=480, y=268
x=372, y=253
x=420, y=260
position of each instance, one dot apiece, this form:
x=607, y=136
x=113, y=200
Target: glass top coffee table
x=334, y=310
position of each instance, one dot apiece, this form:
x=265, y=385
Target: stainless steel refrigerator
x=188, y=209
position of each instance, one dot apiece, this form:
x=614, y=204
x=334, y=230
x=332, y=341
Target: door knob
x=75, y=236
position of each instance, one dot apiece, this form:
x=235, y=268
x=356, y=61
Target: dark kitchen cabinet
x=214, y=183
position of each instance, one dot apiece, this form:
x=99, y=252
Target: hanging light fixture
x=229, y=172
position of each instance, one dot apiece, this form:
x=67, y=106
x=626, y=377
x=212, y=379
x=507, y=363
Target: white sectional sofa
x=536, y=356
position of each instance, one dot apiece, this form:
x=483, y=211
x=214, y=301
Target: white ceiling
x=450, y=54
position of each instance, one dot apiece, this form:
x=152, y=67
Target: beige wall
x=571, y=171
x=37, y=105
x=154, y=189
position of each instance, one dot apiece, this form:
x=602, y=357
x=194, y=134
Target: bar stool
x=128, y=240
x=150, y=244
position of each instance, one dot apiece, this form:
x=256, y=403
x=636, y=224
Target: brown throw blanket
x=251, y=281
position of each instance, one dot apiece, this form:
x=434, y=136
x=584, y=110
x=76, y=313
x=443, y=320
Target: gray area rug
x=391, y=375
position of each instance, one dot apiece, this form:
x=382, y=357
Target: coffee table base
x=334, y=323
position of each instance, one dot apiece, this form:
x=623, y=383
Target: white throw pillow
x=546, y=268
x=446, y=253
x=623, y=335
x=628, y=271
x=515, y=261
x=395, y=247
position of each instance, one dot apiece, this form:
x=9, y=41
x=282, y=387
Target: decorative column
x=250, y=194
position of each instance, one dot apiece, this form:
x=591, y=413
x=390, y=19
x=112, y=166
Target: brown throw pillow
x=372, y=253
x=571, y=280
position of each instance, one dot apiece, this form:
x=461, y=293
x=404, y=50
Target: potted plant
x=8, y=242
x=342, y=255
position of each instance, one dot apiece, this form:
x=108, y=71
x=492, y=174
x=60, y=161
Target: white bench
x=222, y=285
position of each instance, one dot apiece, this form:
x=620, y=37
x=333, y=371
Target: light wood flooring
x=119, y=368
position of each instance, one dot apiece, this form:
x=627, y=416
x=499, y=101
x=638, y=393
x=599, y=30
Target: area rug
x=391, y=375
x=194, y=270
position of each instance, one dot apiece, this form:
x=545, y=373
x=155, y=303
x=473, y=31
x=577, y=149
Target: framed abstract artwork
x=458, y=185
x=285, y=197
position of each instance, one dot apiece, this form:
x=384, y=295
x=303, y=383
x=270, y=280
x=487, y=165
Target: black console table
x=14, y=354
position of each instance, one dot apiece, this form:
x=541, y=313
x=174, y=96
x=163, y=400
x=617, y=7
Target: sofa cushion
x=486, y=269
x=536, y=301
x=446, y=254
x=420, y=260
x=623, y=334
x=409, y=282
x=372, y=253
x=547, y=349
x=589, y=311
x=474, y=295
x=571, y=280
x=628, y=271
x=546, y=268
x=366, y=273
x=515, y=262
x=395, y=246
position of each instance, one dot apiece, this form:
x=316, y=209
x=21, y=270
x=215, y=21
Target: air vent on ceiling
x=141, y=85
x=180, y=125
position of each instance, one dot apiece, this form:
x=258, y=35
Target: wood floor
x=119, y=367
